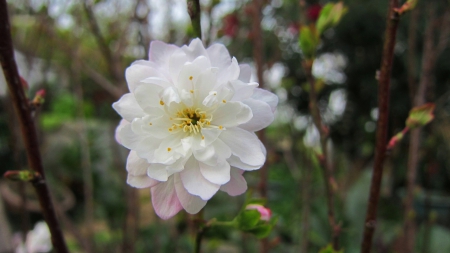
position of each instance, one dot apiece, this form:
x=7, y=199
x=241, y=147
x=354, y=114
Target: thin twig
x=28, y=129
x=382, y=124
x=326, y=169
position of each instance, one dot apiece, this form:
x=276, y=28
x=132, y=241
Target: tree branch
x=194, y=11
x=27, y=127
x=382, y=124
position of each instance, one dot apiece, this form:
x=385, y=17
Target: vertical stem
x=326, y=169
x=258, y=52
x=199, y=222
x=382, y=125
x=195, y=13
x=412, y=61
x=27, y=127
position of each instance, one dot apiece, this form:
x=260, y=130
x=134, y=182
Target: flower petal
x=195, y=183
x=158, y=172
x=262, y=115
x=242, y=90
x=266, y=96
x=195, y=49
x=147, y=95
x=236, y=162
x=165, y=200
x=138, y=72
x=190, y=73
x=232, y=114
x=244, y=145
x=118, y=128
x=192, y=204
x=246, y=73
x=219, y=56
x=137, y=168
x=237, y=184
x=219, y=174
x=161, y=52
x=128, y=107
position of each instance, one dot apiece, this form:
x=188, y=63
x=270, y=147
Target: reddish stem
x=27, y=127
x=382, y=125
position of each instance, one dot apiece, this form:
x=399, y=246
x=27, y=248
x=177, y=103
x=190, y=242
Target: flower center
x=190, y=120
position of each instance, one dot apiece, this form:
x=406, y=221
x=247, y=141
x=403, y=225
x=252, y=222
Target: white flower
x=38, y=240
x=189, y=121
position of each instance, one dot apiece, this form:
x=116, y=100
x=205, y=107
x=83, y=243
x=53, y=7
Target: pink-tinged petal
x=246, y=73
x=219, y=56
x=161, y=52
x=147, y=95
x=195, y=183
x=192, y=204
x=232, y=114
x=262, y=115
x=219, y=174
x=266, y=96
x=138, y=72
x=121, y=125
x=244, y=145
x=137, y=172
x=242, y=90
x=237, y=184
x=128, y=107
x=165, y=200
x=195, y=49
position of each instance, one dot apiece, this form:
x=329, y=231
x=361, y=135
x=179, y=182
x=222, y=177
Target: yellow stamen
x=224, y=101
x=203, y=137
x=169, y=149
x=191, y=77
x=192, y=91
x=220, y=127
x=150, y=124
x=161, y=102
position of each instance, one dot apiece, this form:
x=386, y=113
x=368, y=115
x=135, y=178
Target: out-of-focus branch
x=102, y=44
x=392, y=21
x=194, y=11
x=103, y=82
x=28, y=129
x=412, y=57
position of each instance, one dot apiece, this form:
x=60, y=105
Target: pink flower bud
x=265, y=212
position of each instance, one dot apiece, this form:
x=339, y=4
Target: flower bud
x=266, y=214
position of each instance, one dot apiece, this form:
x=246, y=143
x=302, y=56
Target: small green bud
x=420, y=116
x=330, y=15
x=308, y=41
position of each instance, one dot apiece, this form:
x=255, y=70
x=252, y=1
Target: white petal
x=160, y=53
x=244, y=145
x=246, y=73
x=267, y=97
x=146, y=148
x=147, y=95
x=230, y=73
x=262, y=115
x=128, y=138
x=128, y=107
x=192, y=204
x=176, y=63
x=242, y=90
x=221, y=149
x=138, y=72
x=163, y=82
x=169, y=150
x=157, y=171
x=190, y=73
x=195, y=49
x=118, y=128
x=205, y=83
x=219, y=56
x=232, y=114
x=137, y=168
x=169, y=95
x=195, y=183
x=237, y=184
x=156, y=127
x=210, y=135
x=219, y=174
x=236, y=162
x=165, y=200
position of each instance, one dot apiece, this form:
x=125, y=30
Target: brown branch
x=27, y=127
x=382, y=124
x=194, y=11
x=412, y=57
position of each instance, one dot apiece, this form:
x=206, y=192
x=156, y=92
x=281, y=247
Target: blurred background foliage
x=78, y=51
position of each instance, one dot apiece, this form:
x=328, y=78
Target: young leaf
x=420, y=116
x=248, y=219
x=330, y=16
x=308, y=41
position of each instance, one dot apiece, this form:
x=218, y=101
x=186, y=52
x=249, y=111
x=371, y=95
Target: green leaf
x=248, y=219
x=261, y=231
x=308, y=41
x=420, y=116
x=329, y=16
x=329, y=249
